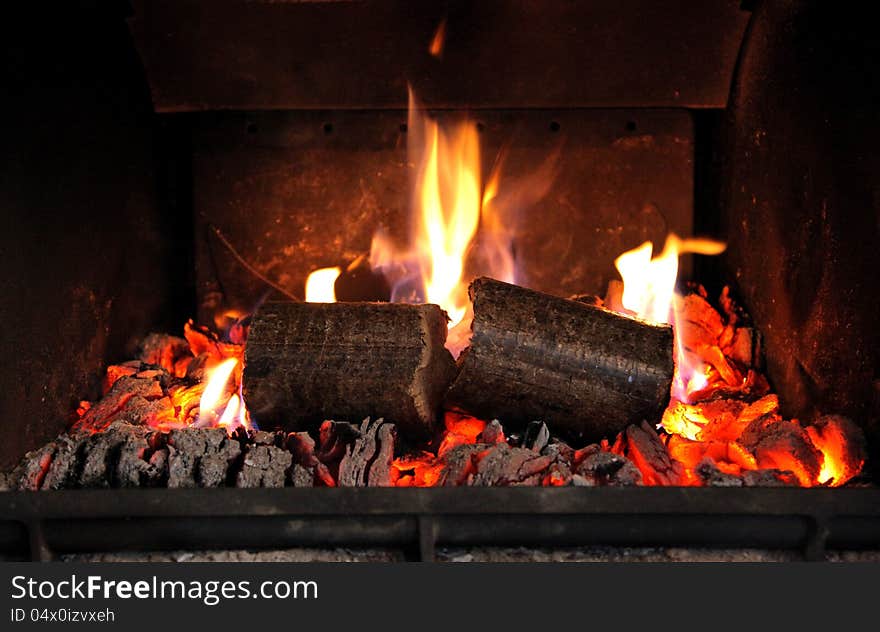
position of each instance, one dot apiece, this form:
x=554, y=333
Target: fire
x=649, y=282
x=214, y=396
x=649, y=293
x=320, y=285
x=235, y=415
x=721, y=420
x=437, y=42
x=447, y=214
x=449, y=205
x=842, y=458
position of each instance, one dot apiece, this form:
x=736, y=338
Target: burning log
x=307, y=362
x=586, y=371
x=172, y=353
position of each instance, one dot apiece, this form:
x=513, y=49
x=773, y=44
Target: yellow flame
x=320, y=285
x=649, y=292
x=456, y=225
x=649, y=283
x=213, y=396
x=451, y=175
x=229, y=418
x=446, y=215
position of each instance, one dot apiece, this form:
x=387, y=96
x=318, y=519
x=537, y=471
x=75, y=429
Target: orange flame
x=439, y=39
x=649, y=293
x=448, y=206
x=841, y=457
x=649, y=283
x=320, y=285
x=213, y=400
x=446, y=229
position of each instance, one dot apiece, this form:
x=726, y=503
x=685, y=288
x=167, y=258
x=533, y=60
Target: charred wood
x=781, y=444
x=172, y=353
x=62, y=471
x=29, y=473
x=586, y=371
x=134, y=399
x=301, y=476
x=536, y=436
x=503, y=465
x=335, y=437
x=492, y=433
x=769, y=478
x=644, y=448
x=711, y=476
x=307, y=467
x=599, y=467
x=307, y=362
x=460, y=464
x=559, y=474
x=99, y=464
x=131, y=469
x=367, y=462
x=200, y=457
x=559, y=450
x=264, y=465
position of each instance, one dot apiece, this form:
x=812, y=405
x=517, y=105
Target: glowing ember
x=843, y=454
x=320, y=285
x=727, y=436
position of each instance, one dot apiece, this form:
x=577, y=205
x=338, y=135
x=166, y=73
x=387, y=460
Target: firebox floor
x=478, y=554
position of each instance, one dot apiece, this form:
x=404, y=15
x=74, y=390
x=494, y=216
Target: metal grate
x=42, y=525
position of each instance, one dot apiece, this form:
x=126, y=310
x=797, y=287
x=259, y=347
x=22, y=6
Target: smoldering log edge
x=307, y=362
x=586, y=371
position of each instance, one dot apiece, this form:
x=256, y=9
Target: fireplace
x=237, y=240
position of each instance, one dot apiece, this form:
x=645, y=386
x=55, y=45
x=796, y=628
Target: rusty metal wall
x=91, y=253
x=294, y=191
x=801, y=203
x=270, y=54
